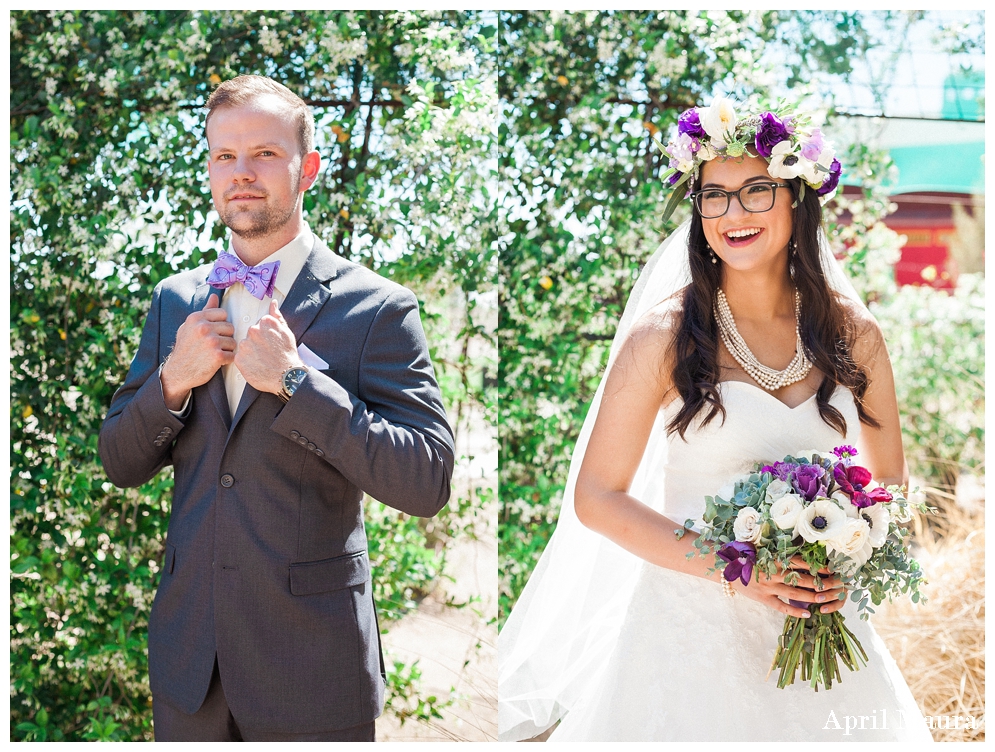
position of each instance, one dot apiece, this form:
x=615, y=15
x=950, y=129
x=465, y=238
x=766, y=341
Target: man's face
x=255, y=166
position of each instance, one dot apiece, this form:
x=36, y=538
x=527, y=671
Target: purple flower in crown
x=741, y=557
x=675, y=177
x=810, y=481
x=689, y=123
x=832, y=179
x=813, y=146
x=771, y=132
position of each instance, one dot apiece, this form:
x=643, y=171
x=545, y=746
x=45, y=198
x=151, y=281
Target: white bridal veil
x=563, y=629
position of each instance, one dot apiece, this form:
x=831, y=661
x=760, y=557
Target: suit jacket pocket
x=349, y=570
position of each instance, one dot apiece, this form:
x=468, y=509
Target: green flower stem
x=811, y=649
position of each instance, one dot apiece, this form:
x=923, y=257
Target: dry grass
x=940, y=645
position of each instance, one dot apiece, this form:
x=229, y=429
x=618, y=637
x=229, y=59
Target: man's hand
x=268, y=351
x=204, y=343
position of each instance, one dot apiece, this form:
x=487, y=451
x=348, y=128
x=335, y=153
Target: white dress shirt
x=245, y=310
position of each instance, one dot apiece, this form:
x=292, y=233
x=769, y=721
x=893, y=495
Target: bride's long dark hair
x=827, y=331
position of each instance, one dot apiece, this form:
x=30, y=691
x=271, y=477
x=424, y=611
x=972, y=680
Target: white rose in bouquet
x=821, y=520
x=785, y=511
x=851, y=539
x=747, y=526
x=777, y=488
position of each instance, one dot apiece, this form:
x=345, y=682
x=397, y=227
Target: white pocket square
x=310, y=358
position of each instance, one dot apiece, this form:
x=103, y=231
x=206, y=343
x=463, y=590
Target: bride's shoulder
x=867, y=338
x=659, y=324
x=651, y=336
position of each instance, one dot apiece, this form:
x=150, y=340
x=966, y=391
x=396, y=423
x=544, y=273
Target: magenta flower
x=832, y=179
x=771, y=132
x=740, y=557
x=689, y=123
x=810, y=481
x=845, y=452
x=852, y=481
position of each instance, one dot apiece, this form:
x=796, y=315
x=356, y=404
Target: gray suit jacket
x=266, y=561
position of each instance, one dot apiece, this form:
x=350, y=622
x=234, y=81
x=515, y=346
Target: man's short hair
x=243, y=89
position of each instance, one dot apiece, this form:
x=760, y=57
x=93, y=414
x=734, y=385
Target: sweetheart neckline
x=768, y=394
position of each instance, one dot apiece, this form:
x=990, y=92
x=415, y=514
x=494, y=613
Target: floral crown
x=780, y=136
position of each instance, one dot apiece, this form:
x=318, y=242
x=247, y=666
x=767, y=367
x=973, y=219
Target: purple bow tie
x=258, y=280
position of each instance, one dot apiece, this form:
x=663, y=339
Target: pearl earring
x=715, y=259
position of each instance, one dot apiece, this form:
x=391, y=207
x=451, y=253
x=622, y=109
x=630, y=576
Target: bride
x=742, y=341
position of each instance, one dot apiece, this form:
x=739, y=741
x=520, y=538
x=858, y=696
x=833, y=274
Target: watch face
x=293, y=379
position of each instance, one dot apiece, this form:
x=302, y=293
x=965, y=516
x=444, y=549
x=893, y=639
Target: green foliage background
x=582, y=94
x=109, y=195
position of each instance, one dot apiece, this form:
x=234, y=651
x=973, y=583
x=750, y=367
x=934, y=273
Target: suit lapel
x=216, y=386
x=308, y=294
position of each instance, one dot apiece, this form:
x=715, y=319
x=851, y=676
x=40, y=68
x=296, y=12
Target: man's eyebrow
x=269, y=145
x=755, y=178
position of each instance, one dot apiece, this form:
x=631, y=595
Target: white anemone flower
x=785, y=511
x=821, y=520
x=877, y=518
x=787, y=164
x=816, y=172
x=719, y=121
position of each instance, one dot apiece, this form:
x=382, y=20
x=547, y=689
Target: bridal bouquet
x=826, y=510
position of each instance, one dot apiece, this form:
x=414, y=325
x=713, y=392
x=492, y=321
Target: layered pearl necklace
x=767, y=378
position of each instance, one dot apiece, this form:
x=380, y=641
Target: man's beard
x=253, y=224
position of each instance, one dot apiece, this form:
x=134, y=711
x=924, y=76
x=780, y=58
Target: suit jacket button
x=310, y=447
x=158, y=442
x=302, y=441
x=295, y=435
x=167, y=431
x=319, y=452
x=227, y=480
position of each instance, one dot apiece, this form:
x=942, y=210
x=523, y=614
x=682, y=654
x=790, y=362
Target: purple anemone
x=740, y=556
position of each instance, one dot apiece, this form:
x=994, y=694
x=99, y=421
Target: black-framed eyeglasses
x=712, y=203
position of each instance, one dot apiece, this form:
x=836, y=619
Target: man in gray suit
x=281, y=384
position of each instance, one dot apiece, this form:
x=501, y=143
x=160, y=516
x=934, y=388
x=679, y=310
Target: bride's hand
x=827, y=596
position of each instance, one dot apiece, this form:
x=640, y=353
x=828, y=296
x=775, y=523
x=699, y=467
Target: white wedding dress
x=689, y=663
x=615, y=648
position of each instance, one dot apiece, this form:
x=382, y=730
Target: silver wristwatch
x=292, y=378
